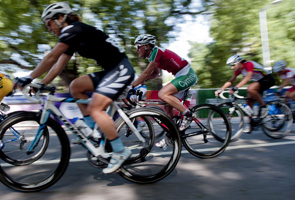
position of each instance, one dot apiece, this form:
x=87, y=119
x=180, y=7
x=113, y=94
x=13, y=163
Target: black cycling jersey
x=92, y=43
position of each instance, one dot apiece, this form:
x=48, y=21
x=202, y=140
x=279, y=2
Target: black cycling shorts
x=266, y=82
x=112, y=83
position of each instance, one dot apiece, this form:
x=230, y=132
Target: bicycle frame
x=50, y=108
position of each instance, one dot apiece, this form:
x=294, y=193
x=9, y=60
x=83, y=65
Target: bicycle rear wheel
x=36, y=170
x=235, y=117
x=278, y=123
x=209, y=134
x=151, y=164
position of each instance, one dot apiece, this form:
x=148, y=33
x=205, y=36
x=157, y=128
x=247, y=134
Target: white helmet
x=55, y=8
x=279, y=66
x=233, y=60
x=145, y=39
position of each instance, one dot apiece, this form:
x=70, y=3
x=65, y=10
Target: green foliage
x=235, y=28
x=22, y=30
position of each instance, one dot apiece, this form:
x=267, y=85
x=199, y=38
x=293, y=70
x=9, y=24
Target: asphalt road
x=254, y=167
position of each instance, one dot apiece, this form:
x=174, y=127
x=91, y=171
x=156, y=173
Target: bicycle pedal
x=106, y=161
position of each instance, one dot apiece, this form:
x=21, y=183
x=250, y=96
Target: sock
x=117, y=145
x=89, y=121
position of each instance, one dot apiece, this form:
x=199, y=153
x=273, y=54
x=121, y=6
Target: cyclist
x=287, y=75
x=262, y=80
x=89, y=42
x=6, y=85
x=185, y=77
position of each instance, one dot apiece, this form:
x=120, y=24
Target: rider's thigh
x=168, y=89
x=81, y=85
x=253, y=87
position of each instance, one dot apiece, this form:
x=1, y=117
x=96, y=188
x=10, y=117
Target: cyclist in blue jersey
x=87, y=41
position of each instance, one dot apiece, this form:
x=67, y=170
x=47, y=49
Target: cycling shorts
x=185, y=78
x=6, y=87
x=111, y=83
x=266, y=82
x=292, y=89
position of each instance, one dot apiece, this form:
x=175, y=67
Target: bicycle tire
x=278, y=123
x=29, y=159
x=155, y=164
x=235, y=117
x=48, y=169
x=211, y=141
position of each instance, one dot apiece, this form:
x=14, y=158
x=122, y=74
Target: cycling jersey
x=5, y=85
x=289, y=73
x=167, y=60
x=258, y=71
x=92, y=43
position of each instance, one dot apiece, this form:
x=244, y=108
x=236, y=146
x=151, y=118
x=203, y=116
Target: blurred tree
x=235, y=29
x=24, y=38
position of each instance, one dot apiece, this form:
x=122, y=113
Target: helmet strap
x=60, y=24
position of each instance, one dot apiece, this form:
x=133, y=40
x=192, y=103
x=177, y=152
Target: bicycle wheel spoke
x=150, y=164
x=211, y=141
x=38, y=169
x=278, y=123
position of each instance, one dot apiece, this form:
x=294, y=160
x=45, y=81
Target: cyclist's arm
x=284, y=83
x=154, y=74
x=145, y=74
x=56, y=69
x=245, y=79
x=229, y=82
x=49, y=60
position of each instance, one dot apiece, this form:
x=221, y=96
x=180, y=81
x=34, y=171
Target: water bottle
x=256, y=110
x=248, y=109
x=82, y=126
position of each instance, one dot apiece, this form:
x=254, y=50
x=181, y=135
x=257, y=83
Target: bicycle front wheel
x=32, y=171
x=209, y=134
x=151, y=164
x=235, y=117
x=278, y=123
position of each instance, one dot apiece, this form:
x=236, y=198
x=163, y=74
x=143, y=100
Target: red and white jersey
x=289, y=73
x=258, y=70
x=167, y=60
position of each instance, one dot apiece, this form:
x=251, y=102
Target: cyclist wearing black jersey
x=89, y=42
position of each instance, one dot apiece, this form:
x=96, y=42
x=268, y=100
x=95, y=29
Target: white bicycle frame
x=49, y=108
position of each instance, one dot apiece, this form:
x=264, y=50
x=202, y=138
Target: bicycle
x=209, y=133
x=276, y=124
x=146, y=165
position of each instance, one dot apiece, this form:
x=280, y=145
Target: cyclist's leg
x=112, y=84
x=291, y=93
x=183, y=81
x=78, y=89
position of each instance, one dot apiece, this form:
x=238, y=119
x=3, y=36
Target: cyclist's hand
x=22, y=81
x=217, y=92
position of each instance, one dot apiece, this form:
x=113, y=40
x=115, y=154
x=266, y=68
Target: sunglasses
x=138, y=46
x=48, y=22
x=232, y=65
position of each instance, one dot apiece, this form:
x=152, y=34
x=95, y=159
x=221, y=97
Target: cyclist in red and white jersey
x=262, y=80
x=288, y=76
x=161, y=58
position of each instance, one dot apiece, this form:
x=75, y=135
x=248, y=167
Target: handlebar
x=38, y=88
x=221, y=95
